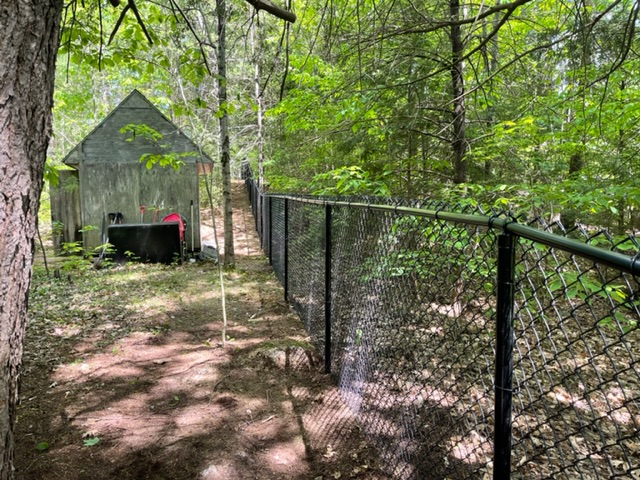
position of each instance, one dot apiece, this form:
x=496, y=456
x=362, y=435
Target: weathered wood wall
x=65, y=209
x=121, y=187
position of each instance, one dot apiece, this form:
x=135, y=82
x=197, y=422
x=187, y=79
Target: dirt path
x=125, y=377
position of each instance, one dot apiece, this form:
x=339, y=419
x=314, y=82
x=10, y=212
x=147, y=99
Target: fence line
x=470, y=345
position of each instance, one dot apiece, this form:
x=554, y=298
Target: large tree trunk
x=28, y=46
x=225, y=157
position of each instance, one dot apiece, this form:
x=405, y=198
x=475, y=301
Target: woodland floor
x=125, y=377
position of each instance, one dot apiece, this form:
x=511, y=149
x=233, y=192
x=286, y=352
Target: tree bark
x=28, y=47
x=225, y=156
x=256, y=56
x=459, y=142
x=490, y=57
x=576, y=160
x=274, y=10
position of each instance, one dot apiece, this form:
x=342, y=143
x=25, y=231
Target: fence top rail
x=625, y=263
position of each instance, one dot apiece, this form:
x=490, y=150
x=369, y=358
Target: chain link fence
x=469, y=345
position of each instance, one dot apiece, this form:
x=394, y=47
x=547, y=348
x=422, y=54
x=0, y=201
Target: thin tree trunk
x=28, y=46
x=491, y=66
x=225, y=157
x=411, y=140
x=256, y=46
x=256, y=50
x=459, y=143
x=576, y=159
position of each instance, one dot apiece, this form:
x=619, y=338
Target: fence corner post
x=270, y=231
x=327, y=288
x=504, y=356
x=260, y=219
x=286, y=249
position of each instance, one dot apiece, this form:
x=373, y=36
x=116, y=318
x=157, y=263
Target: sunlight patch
x=472, y=449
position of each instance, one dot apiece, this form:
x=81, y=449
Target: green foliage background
x=358, y=97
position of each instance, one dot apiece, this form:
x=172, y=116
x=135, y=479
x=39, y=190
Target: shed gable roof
x=105, y=141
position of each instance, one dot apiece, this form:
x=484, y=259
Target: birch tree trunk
x=28, y=46
x=225, y=157
x=256, y=50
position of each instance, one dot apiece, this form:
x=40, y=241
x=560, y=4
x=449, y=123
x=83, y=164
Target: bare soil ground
x=126, y=377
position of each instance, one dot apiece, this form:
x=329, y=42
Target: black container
x=146, y=242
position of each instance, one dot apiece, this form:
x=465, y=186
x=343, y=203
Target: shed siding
x=65, y=208
x=119, y=187
x=108, y=188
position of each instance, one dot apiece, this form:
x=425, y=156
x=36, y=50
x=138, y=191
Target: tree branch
x=274, y=10
x=130, y=5
x=133, y=6
x=174, y=7
x=115, y=29
x=510, y=7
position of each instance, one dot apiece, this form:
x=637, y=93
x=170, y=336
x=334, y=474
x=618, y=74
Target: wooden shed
x=107, y=177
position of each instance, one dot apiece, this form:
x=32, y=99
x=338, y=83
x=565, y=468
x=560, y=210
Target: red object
x=174, y=217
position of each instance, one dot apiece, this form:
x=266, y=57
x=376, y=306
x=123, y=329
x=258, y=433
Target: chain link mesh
x=277, y=237
x=412, y=338
x=413, y=326
x=306, y=267
x=576, y=408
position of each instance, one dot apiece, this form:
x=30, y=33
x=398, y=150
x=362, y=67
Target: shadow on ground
x=125, y=376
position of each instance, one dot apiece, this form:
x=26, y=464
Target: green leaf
x=42, y=446
x=555, y=285
x=90, y=442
